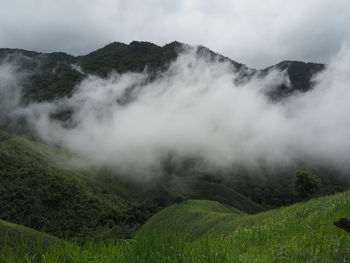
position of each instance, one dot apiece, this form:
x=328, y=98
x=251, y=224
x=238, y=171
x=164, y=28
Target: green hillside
x=12, y=234
x=302, y=232
x=164, y=189
x=190, y=219
x=39, y=190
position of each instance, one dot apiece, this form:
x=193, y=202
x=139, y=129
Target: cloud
x=196, y=109
x=322, y=114
x=257, y=33
x=10, y=89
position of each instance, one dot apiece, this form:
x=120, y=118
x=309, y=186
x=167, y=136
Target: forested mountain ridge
x=54, y=75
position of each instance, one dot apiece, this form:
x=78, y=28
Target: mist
x=197, y=109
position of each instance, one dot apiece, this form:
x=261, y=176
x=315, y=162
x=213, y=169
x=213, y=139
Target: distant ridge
x=53, y=76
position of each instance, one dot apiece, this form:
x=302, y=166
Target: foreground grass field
x=206, y=231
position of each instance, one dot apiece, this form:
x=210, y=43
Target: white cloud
x=196, y=109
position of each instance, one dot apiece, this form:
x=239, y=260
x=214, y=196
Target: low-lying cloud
x=196, y=108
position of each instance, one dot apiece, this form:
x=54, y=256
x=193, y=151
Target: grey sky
x=254, y=32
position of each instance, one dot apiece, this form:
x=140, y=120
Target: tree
x=306, y=184
x=179, y=198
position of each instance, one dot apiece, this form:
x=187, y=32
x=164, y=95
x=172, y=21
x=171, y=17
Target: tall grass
x=169, y=250
x=300, y=233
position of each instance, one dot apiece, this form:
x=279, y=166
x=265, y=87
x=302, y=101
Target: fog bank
x=196, y=108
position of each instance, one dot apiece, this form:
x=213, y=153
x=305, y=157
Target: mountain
x=50, y=76
x=54, y=75
x=184, y=214
x=300, y=74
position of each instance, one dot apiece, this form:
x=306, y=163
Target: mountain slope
x=38, y=191
x=42, y=187
x=300, y=74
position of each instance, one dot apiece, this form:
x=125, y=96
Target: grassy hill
x=190, y=219
x=206, y=231
x=303, y=232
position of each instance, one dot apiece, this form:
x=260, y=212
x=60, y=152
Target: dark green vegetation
x=206, y=231
x=300, y=74
x=54, y=75
x=133, y=57
x=38, y=190
x=306, y=184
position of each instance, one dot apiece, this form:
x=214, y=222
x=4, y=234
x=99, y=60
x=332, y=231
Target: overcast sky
x=254, y=32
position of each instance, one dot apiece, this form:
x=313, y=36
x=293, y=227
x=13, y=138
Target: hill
x=192, y=219
x=300, y=74
x=206, y=231
x=199, y=189
x=40, y=190
x=303, y=232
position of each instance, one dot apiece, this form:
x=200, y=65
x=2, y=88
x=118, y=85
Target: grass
x=302, y=232
x=190, y=219
x=206, y=231
x=13, y=234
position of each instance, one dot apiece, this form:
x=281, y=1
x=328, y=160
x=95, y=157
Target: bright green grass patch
x=190, y=219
